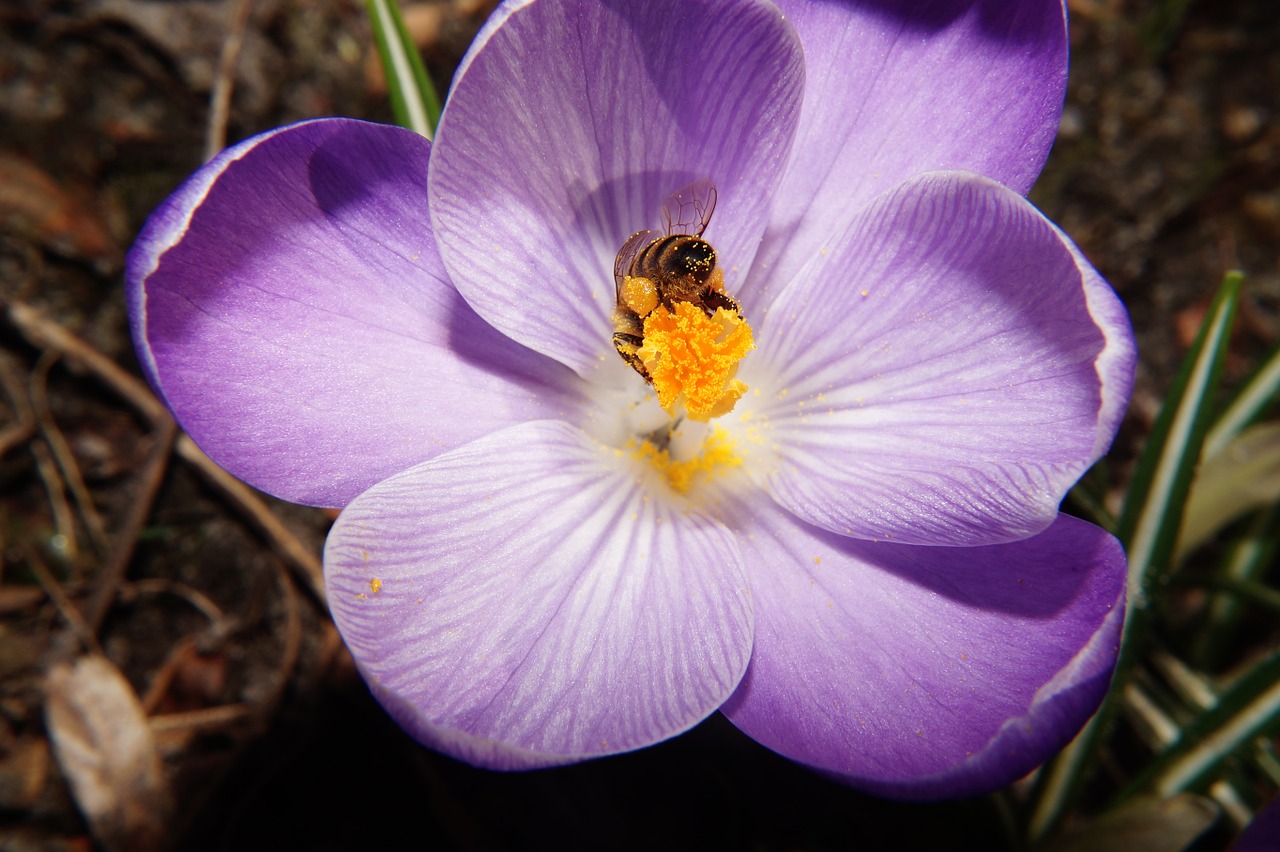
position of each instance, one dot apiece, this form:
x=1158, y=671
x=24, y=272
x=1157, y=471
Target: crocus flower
x=862, y=564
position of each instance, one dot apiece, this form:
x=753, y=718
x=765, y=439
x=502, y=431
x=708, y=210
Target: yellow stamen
x=692, y=358
x=717, y=453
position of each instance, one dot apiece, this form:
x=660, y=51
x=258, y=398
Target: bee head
x=695, y=258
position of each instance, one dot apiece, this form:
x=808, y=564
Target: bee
x=668, y=266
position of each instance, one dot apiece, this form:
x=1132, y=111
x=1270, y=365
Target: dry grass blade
x=113, y=572
x=45, y=333
x=220, y=99
x=293, y=551
x=63, y=518
x=24, y=425
x=62, y=453
x=68, y=610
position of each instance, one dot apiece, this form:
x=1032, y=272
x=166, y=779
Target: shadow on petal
x=997, y=17
x=922, y=672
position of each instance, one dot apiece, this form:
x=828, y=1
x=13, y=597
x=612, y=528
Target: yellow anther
x=717, y=453
x=693, y=358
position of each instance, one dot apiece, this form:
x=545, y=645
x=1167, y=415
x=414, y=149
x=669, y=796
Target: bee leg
x=628, y=346
x=713, y=299
x=664, y=299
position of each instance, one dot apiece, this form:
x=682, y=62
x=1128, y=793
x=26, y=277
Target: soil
x=117, y=538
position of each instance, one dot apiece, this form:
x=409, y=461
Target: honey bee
x=664, y=267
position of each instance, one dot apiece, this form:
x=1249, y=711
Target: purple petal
x=925, y=672
x=529, y=600
x=944, y=373
x=1262, y=834
x=570, y=123
x=289, y=305
x=899, y=87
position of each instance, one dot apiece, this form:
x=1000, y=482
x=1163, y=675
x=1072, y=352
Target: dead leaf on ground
x=33, y=204
x=1151, y=825
x=191, y=35
x=23, y=773
x=105, y=747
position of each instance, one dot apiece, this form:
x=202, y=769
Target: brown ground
x=114, y=537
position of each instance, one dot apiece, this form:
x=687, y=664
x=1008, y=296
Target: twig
x=113, y=571
x=162, y=682
x=62, y=453
x=292, y=638
x=224, y=83
x=63, y=520
x=15, y=599
x=212, y=717
x=198, y=599
x=45, y=333
x=24, y=425
x=259, y=515
x=70, y=613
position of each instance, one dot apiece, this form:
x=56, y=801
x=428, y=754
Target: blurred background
x=116, y=536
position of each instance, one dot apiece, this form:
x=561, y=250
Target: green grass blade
x=1249, y=709
x=1245, y=562
x=414, y=101
x=1153, y=508
x=1257, y=594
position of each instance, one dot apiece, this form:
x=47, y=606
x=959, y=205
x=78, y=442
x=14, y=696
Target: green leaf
x=414, y=101
x=1161, y=701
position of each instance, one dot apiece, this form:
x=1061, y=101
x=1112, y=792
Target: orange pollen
x=693, y=358
x=717, y=454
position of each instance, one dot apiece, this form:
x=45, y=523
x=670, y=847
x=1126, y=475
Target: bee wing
x=689, y=209
x=632, y=247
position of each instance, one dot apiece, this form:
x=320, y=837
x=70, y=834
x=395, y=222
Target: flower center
x=692, y=359
x=717, y=453
x=675, y=325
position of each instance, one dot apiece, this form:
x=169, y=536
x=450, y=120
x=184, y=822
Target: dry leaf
x=1143, y=825
x=34, y=204
x=1243, y=477
x=188, y=680
x=191, y=35
x=23, y=773
x=104, y=745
